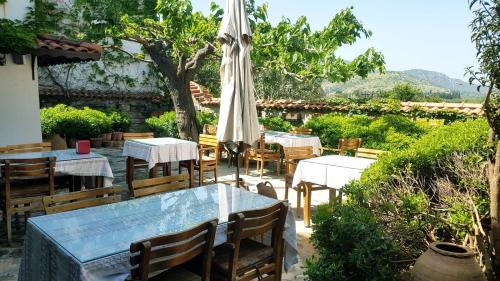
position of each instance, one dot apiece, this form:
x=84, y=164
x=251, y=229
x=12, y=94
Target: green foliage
x=81, y=123
x=205, y=117
x=275, y=124
x=406, y=92
x=164, y=125
x=351, y=246
x=388, y=132
x=15, y=37
x=423, y=155
x=120, y=122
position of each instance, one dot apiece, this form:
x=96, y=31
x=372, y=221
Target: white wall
x=19, y=101
x=14, y=9
x=19, y=104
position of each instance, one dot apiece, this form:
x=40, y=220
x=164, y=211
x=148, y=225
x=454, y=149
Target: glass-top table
x=97, y=232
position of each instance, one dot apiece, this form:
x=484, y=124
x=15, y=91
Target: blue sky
x=425, y=34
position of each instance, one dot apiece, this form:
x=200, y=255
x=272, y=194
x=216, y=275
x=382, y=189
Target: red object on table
x=83, y=147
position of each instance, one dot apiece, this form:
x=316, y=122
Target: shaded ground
x=10, y=257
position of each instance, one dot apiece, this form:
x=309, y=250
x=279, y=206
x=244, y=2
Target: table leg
x=307, y=204
x=130, y=173
x=191, y=173
x=332, y=196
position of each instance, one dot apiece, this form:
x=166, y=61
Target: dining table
x=293, y=140
x=331, y=171
x=93, y=243
x=68, y=162
x=159, y=150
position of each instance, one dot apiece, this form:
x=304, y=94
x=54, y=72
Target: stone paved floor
x=10, y=256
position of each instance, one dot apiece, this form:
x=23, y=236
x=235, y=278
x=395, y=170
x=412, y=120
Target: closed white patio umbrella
x=238, y=122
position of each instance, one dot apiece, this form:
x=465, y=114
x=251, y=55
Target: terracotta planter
x=447, y=262
x=71, y=142
x=117, y=136
x=96, y=142
x=107, y=136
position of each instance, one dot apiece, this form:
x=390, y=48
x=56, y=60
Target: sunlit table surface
x=294, y=140
x=94, y=243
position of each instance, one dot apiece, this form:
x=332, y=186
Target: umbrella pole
x=238, y=164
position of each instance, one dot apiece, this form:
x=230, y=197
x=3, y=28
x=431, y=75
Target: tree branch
x=195, y=61
x=116, y=48
x=163, y=62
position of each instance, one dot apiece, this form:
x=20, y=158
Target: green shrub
x=423, y=155
x=388, y=132
x=120, y=122
x=164, y=125
x=74, y=123
x=351, y=246
x=275, y=124
x=205, y=117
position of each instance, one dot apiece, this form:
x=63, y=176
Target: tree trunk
x=494, y=184
x=185, y=112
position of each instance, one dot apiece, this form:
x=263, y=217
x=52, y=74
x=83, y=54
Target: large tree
x=179, y=41
x=486, y=36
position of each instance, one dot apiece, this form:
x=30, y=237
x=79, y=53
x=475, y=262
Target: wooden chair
x=32, y=147
x=81, y=199
x=135, y=136
x=207, y=145
x=3, y=149
x=262, y=155
x=368, y=153
x=300, y=131
x=23, y=188
x=133, y=163
x=209, y=129
x=245, y=259
x=159, y=185
x=159, y=258
x=346, y=145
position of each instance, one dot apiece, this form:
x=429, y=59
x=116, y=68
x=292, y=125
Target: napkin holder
x=83, y=147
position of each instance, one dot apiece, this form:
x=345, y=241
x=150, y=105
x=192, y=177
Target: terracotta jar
x=447, y=262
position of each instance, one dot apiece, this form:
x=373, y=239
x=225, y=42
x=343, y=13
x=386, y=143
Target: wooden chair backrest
x=293, y=154
x=253, y=223
x=368, y=153
x=208, y=141
x=31, y=147
x=349, y=145
x=3, y=149
x=153, y=255
x=81, y=199
x=159, y=185
x=19, y=169
x=133, y=136
x=300, y=131
x=209, y=129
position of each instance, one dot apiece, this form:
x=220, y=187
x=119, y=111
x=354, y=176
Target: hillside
x=427, y=81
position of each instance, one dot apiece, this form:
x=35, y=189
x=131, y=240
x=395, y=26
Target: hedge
x=81, y=123
x=166, y=125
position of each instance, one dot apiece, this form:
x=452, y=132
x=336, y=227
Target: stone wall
x=138, y=106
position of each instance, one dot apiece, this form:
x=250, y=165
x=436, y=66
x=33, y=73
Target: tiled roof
x=54, y=92
x=53, y=50
x=203, y=97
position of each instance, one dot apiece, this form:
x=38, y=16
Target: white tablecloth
x=294, y=140
x=161, y=150
x=70, y=163
x=333, y=171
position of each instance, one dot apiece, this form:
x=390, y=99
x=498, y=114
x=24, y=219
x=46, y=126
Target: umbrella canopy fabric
x=238, y=120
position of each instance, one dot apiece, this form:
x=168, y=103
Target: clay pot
x=96, y=142
x=117, y=136
x=107, y=136
x=447, y=262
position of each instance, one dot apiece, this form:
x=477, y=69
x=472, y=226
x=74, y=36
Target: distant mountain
x=428, y=81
